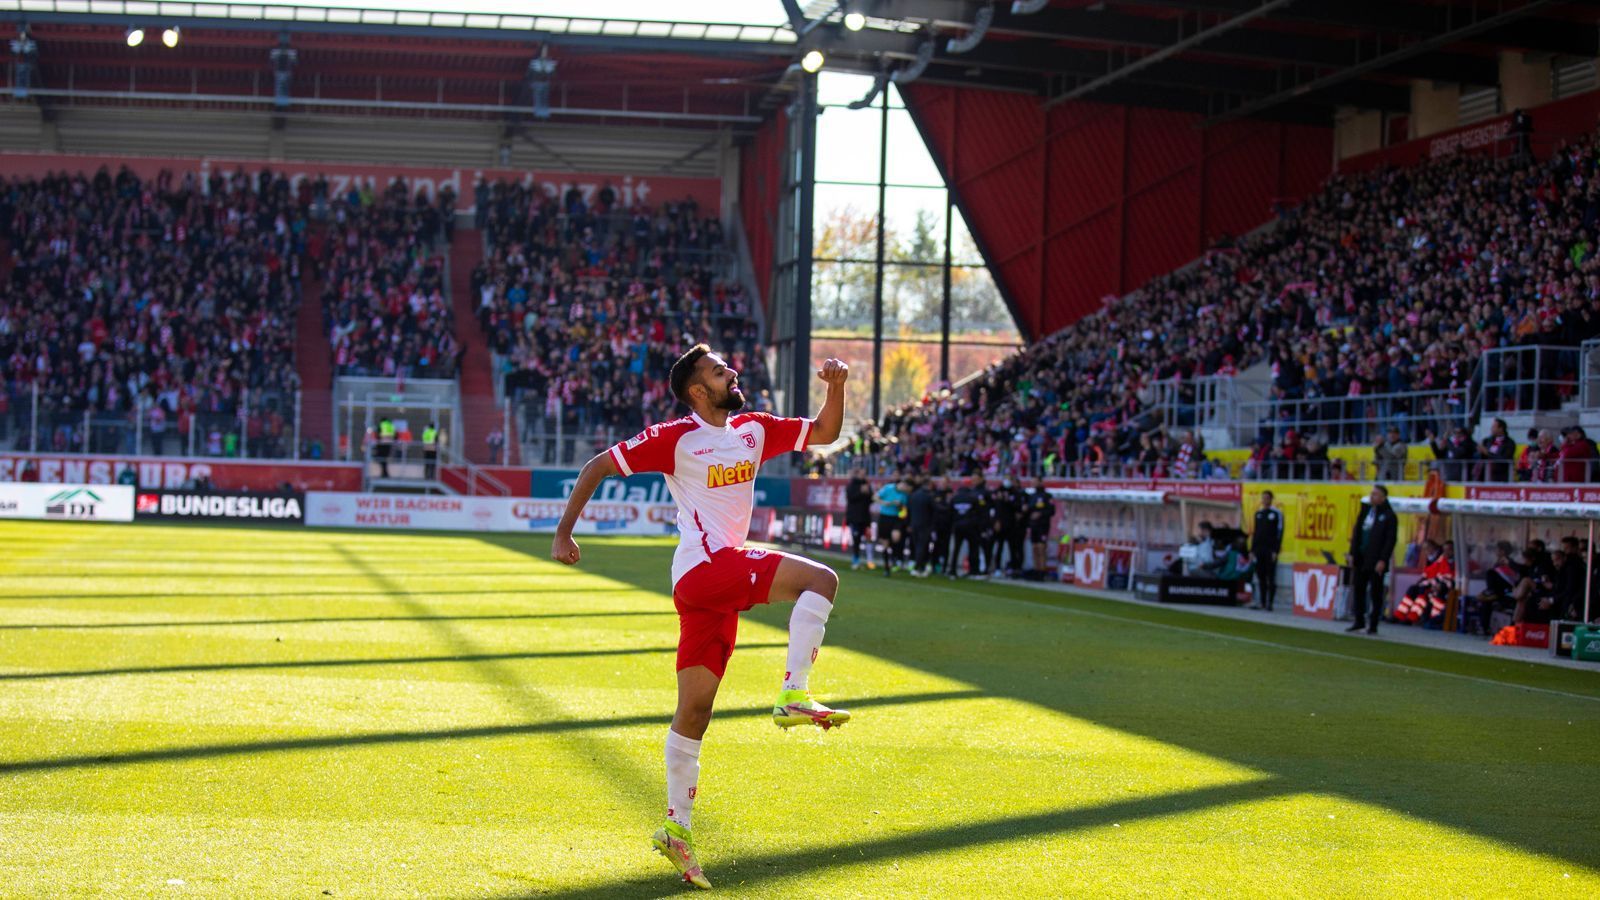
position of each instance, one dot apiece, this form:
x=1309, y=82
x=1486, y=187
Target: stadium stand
x=1372, y=303
x=586, y=308
x=151, y=298
x=384, y=294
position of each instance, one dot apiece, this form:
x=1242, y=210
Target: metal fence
x=1535, y=378
x=264, y=425
x=1356, y=420
x=423, y=466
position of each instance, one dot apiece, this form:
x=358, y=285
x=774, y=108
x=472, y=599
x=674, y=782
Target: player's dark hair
x=683, y=371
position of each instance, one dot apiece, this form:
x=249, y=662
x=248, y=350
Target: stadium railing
x=1534, y=378
x=1358, y=419
x=413, y=464
x=37, y=425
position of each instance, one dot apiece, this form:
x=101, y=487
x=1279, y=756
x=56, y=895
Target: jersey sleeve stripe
x=622, y=464
x=805, y=434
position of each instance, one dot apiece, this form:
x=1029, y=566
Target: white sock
x=806, y=626
x=683, y=776
x=866, y=550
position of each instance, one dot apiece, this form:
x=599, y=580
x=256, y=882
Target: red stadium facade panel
x=1087, y=201
x=760, y=193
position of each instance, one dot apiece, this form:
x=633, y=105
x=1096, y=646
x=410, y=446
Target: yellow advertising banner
x=1319, y=516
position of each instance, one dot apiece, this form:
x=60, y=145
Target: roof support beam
x=1169, y=51
x=1464, y=23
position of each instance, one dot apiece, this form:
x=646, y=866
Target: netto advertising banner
x=1319, y=516
x=233, y=506
x=67, y=502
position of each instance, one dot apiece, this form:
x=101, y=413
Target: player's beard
x=733, y=401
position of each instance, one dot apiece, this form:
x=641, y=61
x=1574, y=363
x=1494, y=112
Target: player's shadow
x=1316, y=723
x=753, y=871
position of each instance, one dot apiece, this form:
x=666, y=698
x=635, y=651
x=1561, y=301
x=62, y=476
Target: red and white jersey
x=711, y=473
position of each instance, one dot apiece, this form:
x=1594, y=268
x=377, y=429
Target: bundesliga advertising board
x=220, y=506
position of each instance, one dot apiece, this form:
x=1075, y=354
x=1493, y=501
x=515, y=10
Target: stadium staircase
x=479, y=411
x=312, y=359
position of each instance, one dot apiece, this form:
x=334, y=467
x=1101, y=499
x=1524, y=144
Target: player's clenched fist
x=565, y=550
x=833, y=371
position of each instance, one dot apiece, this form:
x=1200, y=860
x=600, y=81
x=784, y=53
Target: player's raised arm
x=564, y=549
x=830, y=418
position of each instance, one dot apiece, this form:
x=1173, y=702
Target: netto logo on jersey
x=721, y=476
x=1316, y=519
x=77, y=503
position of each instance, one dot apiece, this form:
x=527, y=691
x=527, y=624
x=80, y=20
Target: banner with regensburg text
x=175, y=473
x=631, y=188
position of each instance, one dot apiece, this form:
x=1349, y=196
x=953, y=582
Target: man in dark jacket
x=858, y=516
x=1010, y=527
x=1498, y=452
x=1455, y=452
x=972, y=525
x=1266, y=539
x=1041, y=509
x=1371, y=550
x=944, y=522
x=920, y=523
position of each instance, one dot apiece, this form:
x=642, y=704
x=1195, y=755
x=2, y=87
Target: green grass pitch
x=191, y=711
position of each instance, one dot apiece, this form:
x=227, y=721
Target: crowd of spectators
x=166, y=299
x=590, y=304
x=1392, y=281
x=383, y=297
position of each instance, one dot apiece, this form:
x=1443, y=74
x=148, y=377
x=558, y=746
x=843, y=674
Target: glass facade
x=934, y=307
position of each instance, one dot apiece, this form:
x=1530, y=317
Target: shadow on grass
x=1438, y=748
x=321, y=620
x=255, y=665
x=337, y=595
x=350, y=741
x=752, y=871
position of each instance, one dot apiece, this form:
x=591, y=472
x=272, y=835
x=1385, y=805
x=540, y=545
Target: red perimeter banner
x=631, y=188
x=170, y=473
x=1535, y=493
x=1315, y=587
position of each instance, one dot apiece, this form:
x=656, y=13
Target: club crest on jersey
x=720, y=475
x=749, y=440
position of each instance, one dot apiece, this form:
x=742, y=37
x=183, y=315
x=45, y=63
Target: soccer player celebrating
x=710, y=458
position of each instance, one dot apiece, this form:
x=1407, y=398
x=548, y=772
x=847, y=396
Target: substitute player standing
x=710, y=458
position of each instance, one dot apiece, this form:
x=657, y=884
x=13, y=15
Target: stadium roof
x=426, y=63
x=1294, y=60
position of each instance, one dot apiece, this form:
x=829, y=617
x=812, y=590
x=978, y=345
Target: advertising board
x=66, y=502
x=234, y=506
x=410, y=511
